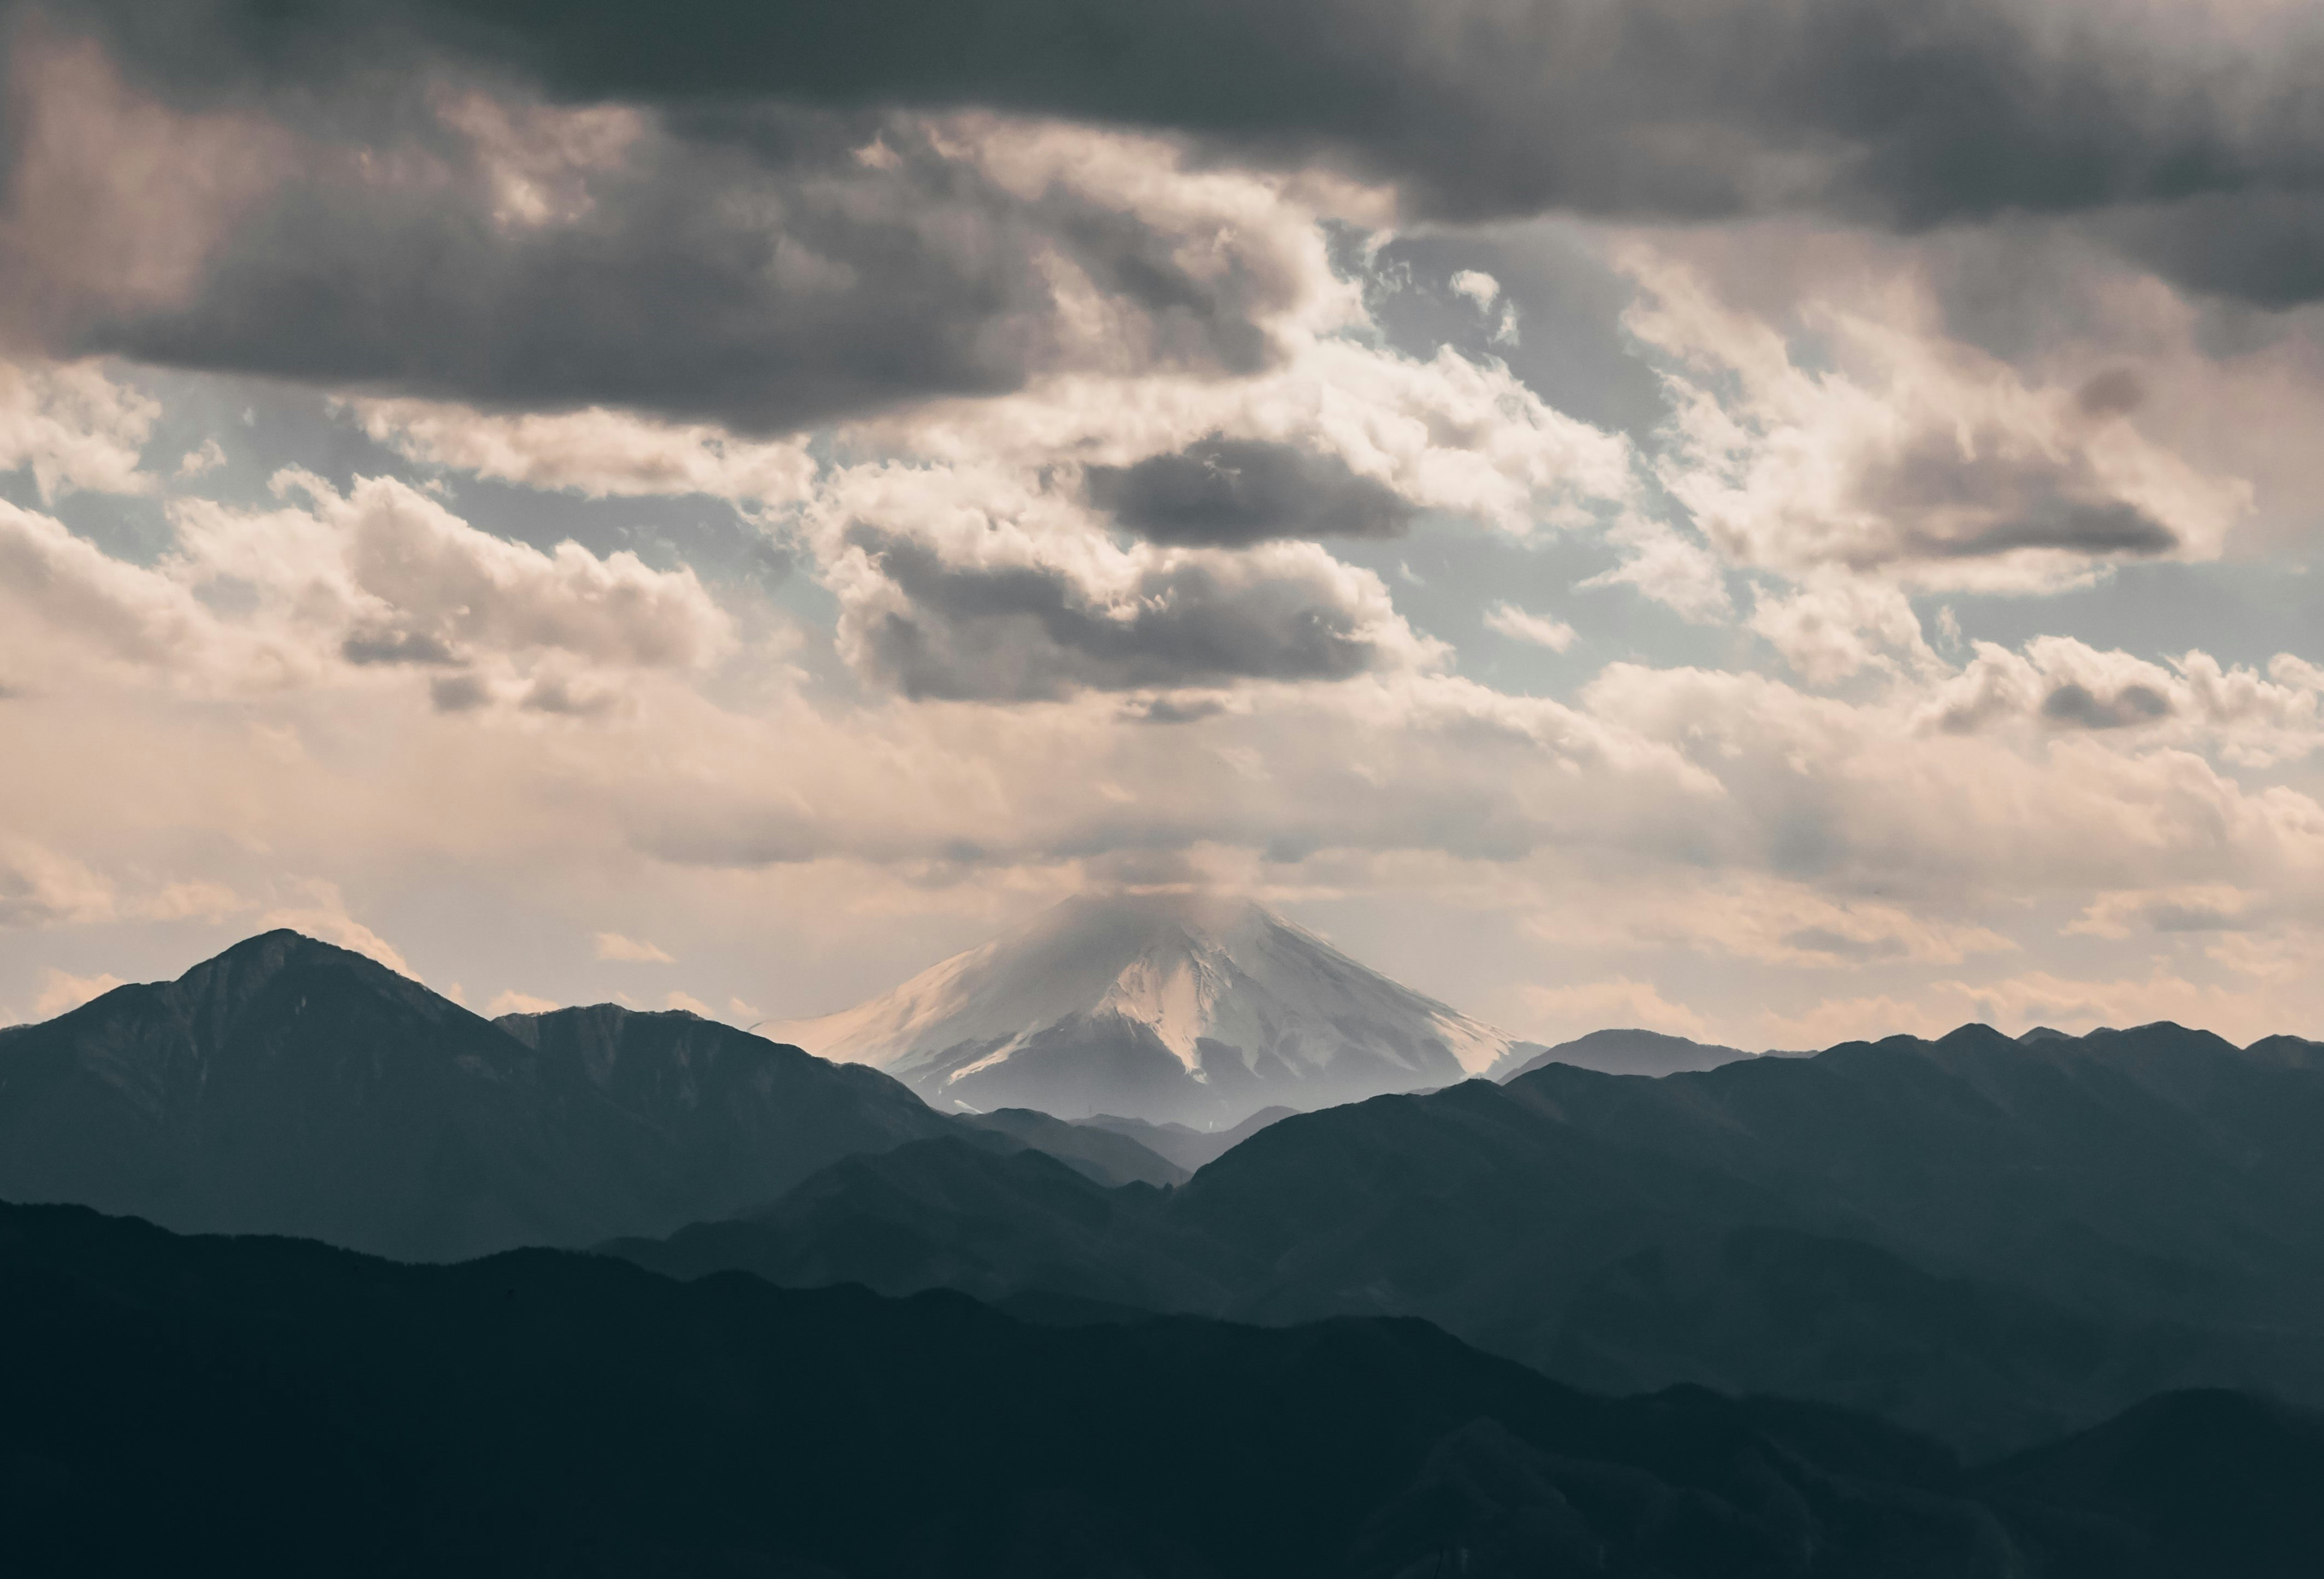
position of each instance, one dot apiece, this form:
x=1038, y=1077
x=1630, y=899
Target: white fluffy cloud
x=511, y=1001
x=60, y=589
x=74, y=426
x=1836, y=625
x=1851, y=430
x=2059, y=684
x=1446, y=432
x=1009, y=617
x=383, y=579
x=595, y=452
x=1944, y=790
x=1668, y=567
x=1540, y=629
x=41, y=887
x=63, y=992
x=613, y=946
x=962, y=537
x=1661, y=816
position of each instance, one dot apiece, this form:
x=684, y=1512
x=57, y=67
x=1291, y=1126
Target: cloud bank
x=1776, y=522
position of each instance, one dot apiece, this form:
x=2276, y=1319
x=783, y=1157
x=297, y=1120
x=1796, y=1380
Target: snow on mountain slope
x=1192, y=1007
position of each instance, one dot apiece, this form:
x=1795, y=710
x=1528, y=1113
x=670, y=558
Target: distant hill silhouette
x=1187, y=1147
x=1618, y=1052
x=1991, y=1241
x=1107, y=1154
x=267, y=1406
x=949, y=1213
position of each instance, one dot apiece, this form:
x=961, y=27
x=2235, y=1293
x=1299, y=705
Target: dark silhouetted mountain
x=1187, y=1147
x=1766, y=1310
x=1618, y=1052
x=2157, y=1172
x=953, y=1213
x=288, y=1087
x=2158, y=1183
x=2191, y=1482
x=1988, y=1239
x=1173, y=1008
x=264, y=1405
x=2290, y=1052
x=1103, y=1153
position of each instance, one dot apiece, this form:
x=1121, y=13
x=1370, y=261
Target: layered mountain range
x=265, y=1407
x=289, y=1086
x=1988, y=1244
x=1988, y=1239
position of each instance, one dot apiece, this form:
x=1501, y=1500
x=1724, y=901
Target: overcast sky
x=1772, y=521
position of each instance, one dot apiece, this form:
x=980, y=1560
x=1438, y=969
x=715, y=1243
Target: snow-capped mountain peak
x=1194, y=1007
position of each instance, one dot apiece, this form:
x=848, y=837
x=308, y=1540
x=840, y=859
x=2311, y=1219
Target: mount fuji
x=1167, y=1006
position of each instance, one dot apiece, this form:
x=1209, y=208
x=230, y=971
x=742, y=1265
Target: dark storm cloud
x=1951, y=505
x=556, y=696
x=1488, y=107
x=457, y=693
x=1915, y=114
x=668, y=299
x=2074, y=705
x=742, y=264
x=770, y=266
x=2081, y=528
x=1172, y=710
x=2265, y=248
x=1027, y=632
x=700, y=283
x=1229, y=492
x=2115, y=392
x=366, y=646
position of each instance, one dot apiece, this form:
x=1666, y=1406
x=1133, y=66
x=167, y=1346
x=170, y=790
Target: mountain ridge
x=1620, y=1051
x=299, y=1409
x=288, y=1085
x=1637, y=1232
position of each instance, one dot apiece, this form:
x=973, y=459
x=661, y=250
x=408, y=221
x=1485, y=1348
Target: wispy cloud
x=1519, y=625
x=613, y=946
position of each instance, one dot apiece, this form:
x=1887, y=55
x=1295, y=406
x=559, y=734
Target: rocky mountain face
x=1990, y=1241
x=288, y=1087
x=1167, y=1007
x=279, y=1407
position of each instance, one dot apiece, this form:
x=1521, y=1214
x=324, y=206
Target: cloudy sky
x=1773, y=520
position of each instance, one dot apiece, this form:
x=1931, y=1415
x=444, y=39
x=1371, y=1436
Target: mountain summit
x=291, y=1087
x=1170, y=1007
